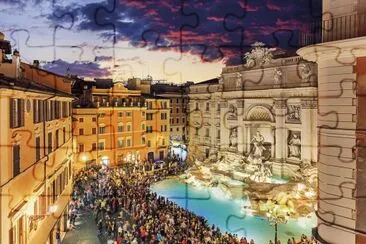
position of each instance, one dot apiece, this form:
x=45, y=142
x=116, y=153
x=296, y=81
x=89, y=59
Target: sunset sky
x=175, y=41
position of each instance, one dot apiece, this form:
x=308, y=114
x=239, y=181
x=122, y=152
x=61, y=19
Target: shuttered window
x=57, y=138
x=49, y=140
x=38, y=148
x=16, y=113
x=16, y=160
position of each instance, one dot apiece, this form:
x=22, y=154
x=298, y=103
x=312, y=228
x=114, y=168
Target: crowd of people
x=126, y=211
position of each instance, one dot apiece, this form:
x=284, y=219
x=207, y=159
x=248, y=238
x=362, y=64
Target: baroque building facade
x=273, y=104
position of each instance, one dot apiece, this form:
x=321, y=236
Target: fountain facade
x=267, y=106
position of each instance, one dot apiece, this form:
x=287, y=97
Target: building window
x=143, y=114
x=149, y=143
x=81, y=120
x=177, y=120
x=218, y=134
x=183, y=120
x=64, y=134
x=218, y=107
x=120, y=128
x=149, y=116
x=16, y=160
x=94, y=131
x=171, y=129
x=101, y=129
x=120, y=114
x=163, y=128
x=94, y=119
x=94, y=146
x=120, y=143
x=207, y=107
x=129, y=142
x=49, y=139
x=177, y=110
x=197, y=130
x=149, y=129
x=16, y=113
x=101, y=115
x=101, y=145
x=81, y=148
x=57, y=138
x=38, y=148
x=163, y=116
x=143, y=140
x=197, y=106
x=128, y=114
x=207, y=132
x=128, y=127
x=81, y=132
x=177, y=128
x=143, y=127
x=163, y=142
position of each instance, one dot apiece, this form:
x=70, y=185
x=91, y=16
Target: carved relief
x=293, y=114
x=280, y=104
x=232, y=113
x=309, y=103
x=305, y=72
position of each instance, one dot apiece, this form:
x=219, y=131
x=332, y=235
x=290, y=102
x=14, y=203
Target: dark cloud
x=211, y=29
x=79, y=68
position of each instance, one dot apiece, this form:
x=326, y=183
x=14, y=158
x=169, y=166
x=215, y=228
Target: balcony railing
x=334, y=29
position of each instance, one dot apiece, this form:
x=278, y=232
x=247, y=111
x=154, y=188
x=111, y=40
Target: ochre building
x=36, y=150
x=114, y=125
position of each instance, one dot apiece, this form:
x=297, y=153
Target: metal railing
x=334, y=29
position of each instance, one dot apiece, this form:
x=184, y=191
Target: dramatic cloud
x=210, y=29
x=80, y=68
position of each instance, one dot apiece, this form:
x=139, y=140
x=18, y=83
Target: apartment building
x=178, y=96
x=36, y=150
x=115, y=125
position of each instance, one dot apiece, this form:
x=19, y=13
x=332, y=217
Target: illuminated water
x=218, y=210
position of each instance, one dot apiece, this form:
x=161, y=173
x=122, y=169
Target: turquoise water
x=225, y=213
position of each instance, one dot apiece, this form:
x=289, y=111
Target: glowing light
x=84, y=158
x=52, y=209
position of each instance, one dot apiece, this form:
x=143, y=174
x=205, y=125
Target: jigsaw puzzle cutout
x=152, y=37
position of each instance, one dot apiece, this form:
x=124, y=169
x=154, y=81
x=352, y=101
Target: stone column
x=307, y=129
x=341, y=120
x=240, y=104
x=281, y=139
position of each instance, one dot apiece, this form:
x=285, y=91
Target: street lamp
x=277, y=214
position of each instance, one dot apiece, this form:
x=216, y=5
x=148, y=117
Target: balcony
x=334, y=29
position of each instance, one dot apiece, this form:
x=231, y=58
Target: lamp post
x=277, y=214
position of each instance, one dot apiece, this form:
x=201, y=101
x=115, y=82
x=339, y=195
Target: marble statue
x=259, y=55
x=277, y=76
x=258, y=141
x=295, y=146
x=233, y=137
x=238, y=82
x=305, y=72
